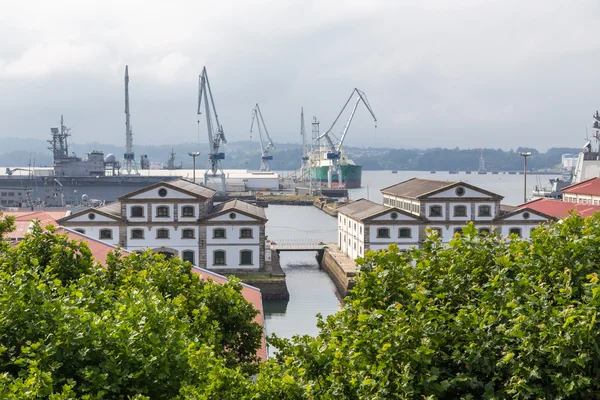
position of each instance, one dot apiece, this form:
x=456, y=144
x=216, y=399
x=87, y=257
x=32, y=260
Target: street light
x=194, y=155
x=525, y=155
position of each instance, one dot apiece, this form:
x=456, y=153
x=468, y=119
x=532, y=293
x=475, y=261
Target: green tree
x=482, y=317
x=141, y=326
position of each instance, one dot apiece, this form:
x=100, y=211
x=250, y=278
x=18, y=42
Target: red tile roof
x=591, y=186
x=251, y=294
x=560, y=209
x=98, y=248
x=24, y=218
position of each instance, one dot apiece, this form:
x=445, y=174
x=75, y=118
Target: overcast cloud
x=467, y=73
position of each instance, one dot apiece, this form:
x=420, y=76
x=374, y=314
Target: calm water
x=311, y=290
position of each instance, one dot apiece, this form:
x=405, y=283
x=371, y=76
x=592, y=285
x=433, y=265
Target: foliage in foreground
x=481, y=318
x=140, y=327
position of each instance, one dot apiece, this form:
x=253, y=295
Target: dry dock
x=340, y=268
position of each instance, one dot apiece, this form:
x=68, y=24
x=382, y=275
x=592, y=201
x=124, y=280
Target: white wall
x=152, y=194
x=94, y=232
x=428, y=207
x=238, y=217
x=232, y=256
x=451, y=193
x=97, y=218
x=232, y=234
x=162, y=219
x=151, y=241
x=493, y=211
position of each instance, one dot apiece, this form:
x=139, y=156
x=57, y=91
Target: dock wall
x=340, y=268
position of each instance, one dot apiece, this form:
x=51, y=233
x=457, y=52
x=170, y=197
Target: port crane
x=265, y=148
x=129, y=165
x=334, y=144
x=305, y=158
x=216, y=136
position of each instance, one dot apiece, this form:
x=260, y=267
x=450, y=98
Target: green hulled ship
x=351, y=173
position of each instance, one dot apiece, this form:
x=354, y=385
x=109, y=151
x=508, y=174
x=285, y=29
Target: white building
x=178, y=218
x=416, y=204
x=586, y=192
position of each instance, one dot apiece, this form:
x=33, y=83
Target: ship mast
x=129, y=157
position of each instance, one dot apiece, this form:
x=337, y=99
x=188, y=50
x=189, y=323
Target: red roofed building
x=556, y=209
x=586, y=192
x=24, y=221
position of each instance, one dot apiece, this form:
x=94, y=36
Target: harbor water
x=311, y=290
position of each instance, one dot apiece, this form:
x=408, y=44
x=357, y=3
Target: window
x=188, y=256
x=360, y=250
x=404, y=233
x=383, y=232
x=162, y=211
x=187, y=234
x=232, y=215
x=137, y=211
x=361, y=229
x=435, y=211
x=137, y=234
x=394, y=215
x=458, y=230
x=187, y=211
x=515, y=231
x=162, y=192
x=484, y=231
x=484, y=211
x=355, y=226
x=246, y=233
x=436, y=231
x=219, y=233
x=162, y=233
x=460, y=211
x=526, y=215
x=219, y=257
x=460, y=191
x=105, y=233
x=80, y=230
x=11, y=194
x=245, y=257
x=354, y=245
x=91, y=216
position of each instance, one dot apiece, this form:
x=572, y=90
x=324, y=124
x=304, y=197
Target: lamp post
x=525, y=155
x=194, y=155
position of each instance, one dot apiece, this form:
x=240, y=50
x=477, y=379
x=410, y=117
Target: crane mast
x=265, y=149
x=334, y=144
x=215, y=136
x=129, y=157
x=304, y=164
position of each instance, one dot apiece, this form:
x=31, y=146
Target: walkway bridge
x=298, y=245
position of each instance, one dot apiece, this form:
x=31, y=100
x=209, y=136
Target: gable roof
x=560, y=209
x=98, y=248
x=250, y=293
x=363, y=209
x=240, y=206
x=417, y=188
x=112, y=210
x=590, y=186
x=181, y=185
x=530, y=210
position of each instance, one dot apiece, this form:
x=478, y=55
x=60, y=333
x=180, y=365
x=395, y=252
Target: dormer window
x=484, y=211
x=435, y=211
x=162, y=212
x=460, y=211
x=187, y=211
x=137, y=211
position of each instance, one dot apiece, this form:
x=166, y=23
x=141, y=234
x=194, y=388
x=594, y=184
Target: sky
x=460, y=73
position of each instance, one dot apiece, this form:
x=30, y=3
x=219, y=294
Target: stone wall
x=344, y=280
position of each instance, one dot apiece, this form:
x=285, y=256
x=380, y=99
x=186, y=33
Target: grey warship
x=74, y=180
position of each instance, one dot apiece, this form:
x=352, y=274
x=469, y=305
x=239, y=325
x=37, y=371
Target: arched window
x=105, y=233
x=458, y=230
x=383, y=232
x=187, y=234
x=515, y=231
x=246, y=257
x=219, y=257
x=245, y=233
x=460, y=211
x=436, y=231
x=80, y=230
x=188, y=256
x=404, y=233
x=162, y=233
x=484, y=211
x=219, y=233
x=137, y=233
x=484, y=231
x=187, y=211
x=162, y=211
x=435, y=211
x=137, y=211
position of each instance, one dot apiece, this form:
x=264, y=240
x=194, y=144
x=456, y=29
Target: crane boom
x=265, y=148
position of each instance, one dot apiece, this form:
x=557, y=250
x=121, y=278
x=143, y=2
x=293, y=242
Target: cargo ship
x=351, y=172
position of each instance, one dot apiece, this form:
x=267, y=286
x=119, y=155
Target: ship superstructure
x=588, y=161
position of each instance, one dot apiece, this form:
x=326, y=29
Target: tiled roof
x=190, y=186
x=113, y=209
x=24, y=219
x=415, y=187
x=560, y=209
x=362, y=209
x=250, y=293
x=591, y=187
x=241, y=206
x=98, y=248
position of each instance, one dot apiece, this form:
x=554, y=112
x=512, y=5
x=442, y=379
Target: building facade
x=412, y=206
x=179, y=218
x=586, y=192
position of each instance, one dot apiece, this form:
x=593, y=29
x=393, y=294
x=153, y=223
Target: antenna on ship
x=129, y=157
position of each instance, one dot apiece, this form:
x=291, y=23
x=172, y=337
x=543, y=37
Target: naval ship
x=72, y=180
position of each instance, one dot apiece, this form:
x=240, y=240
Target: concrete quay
x=340, y=268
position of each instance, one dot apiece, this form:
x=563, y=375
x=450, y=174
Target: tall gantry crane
x=129, y=165
x=305, y=159
x=334, y=144
x=265, y=148
x=216, y=136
